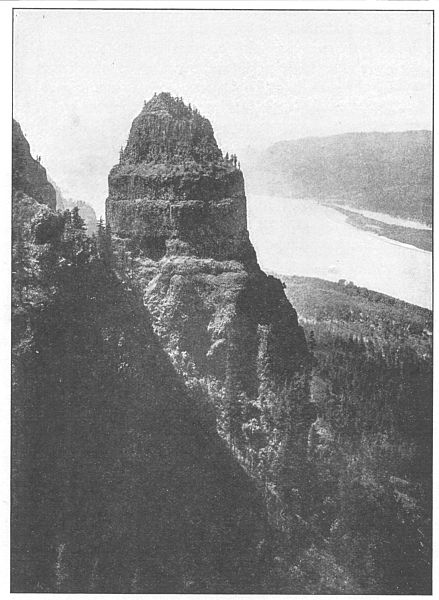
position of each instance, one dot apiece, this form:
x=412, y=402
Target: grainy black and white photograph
x=221, y=299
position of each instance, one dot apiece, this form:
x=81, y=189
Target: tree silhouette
x=77, y=221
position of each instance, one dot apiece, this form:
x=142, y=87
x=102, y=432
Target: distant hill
x=385, y=172
x=86, y=211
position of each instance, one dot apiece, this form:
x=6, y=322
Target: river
x=302, y=237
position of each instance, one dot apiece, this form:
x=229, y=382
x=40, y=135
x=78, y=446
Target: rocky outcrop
x=173, y=192
x=168, y=131
x=178, y=208
x=224, y=316
x=28, y=175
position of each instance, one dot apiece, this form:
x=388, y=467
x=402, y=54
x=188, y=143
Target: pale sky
x=80, y=77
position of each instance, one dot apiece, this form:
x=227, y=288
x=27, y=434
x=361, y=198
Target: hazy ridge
x=384, y=172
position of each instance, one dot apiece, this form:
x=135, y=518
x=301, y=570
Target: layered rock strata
x=173, y=192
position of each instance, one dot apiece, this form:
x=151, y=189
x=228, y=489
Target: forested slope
x=385, y=172
x=371, y=445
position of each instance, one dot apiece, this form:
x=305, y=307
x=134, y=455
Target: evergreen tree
x=67, y=216
x=77, y=221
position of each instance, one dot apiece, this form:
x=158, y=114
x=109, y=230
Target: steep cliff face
x=28, y=175
x=173, y=192
x=179, y=209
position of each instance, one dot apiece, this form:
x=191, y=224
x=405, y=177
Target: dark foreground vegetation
x=134, y=491
x=371, y=446
x=118, y=485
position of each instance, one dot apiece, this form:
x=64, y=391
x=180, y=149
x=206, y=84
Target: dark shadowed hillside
x=371, y=445
x=384, y=172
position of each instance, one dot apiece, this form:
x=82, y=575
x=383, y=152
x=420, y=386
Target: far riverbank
x=419, y=238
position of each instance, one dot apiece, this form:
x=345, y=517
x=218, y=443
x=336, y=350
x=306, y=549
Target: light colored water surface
x=302, y=237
